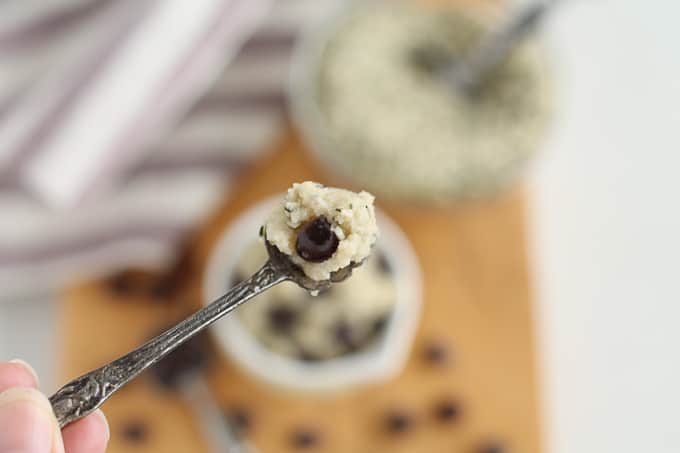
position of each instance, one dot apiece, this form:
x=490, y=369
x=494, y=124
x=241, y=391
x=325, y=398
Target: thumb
x=26, y=423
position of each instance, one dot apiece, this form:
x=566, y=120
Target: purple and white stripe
x=88, y=195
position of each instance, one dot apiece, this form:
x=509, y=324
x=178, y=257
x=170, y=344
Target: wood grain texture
x=476, y=302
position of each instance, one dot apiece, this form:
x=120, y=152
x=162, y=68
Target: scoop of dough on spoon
x=321, y=233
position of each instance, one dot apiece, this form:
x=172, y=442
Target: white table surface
x=605, y=220
x=605, y=225
x=27, y=331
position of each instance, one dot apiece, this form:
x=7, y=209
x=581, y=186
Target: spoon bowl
x=296, y=274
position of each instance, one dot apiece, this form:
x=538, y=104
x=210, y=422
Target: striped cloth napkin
x=123, y=121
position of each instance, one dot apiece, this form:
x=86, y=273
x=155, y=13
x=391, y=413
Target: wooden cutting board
x=477, y=309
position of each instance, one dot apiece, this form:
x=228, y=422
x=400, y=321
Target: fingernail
x=26, y=421
x=28, y=368
x=101, y=415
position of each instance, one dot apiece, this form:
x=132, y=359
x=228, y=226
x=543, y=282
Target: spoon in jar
x=86, y=393
x=468, y=74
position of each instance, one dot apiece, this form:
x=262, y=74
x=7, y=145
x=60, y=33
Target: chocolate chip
x=240, y=419
x=316, y=242
x=384, y=264
x=436, y=353
x=135, y=431
x=491, y=447
x=282, y=318
x=190, y=357
x=344, y=334
x=380, y=324
x=428, y=58
x=305, y=438
x=447, y=410
x=307, y=356
x=398, y=422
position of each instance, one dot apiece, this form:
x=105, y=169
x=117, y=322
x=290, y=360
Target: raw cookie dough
x=323, y=229
x=397, y=129
x=340, y=320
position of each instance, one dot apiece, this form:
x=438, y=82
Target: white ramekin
x=380, y=362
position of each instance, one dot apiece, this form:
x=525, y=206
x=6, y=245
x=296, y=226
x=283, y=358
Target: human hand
x=28, y=425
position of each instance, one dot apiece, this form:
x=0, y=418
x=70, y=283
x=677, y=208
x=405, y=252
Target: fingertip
x=88, y=435
x=28, y=368
x=105, y=422
x=17, y=374
x=27, y=421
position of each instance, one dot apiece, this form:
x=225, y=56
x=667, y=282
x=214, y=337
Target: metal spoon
x=467, y=75
x=86, y=393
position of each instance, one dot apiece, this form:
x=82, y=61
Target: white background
x=604, y=221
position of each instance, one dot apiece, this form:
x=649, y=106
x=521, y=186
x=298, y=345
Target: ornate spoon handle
x=86, y=393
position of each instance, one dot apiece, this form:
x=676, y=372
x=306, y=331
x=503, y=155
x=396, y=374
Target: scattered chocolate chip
x=380, y=324
x=436, y=353
x=384, y=264
x=135, y=431
x=261, y=232
x=174, y=278
x=316, y=242
x=123, y=284
x=240, y=419
x=305, y=438
x=447, y=410
x=398, y=422
x=282, y=318
x=163, y=289
x=491, y=447
x=190, y=357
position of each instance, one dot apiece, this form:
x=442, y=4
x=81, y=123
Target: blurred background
x=522, y=297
